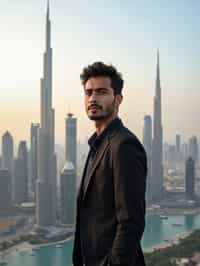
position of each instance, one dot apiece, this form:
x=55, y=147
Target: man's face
x=100, y=101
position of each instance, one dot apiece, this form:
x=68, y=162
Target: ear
x=118, y=99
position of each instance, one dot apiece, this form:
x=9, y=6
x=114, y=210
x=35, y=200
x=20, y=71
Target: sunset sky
x=124, y=33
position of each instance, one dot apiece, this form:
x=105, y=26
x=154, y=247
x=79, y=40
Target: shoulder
x=127, y=145
x=123, y=138
x=127, y=151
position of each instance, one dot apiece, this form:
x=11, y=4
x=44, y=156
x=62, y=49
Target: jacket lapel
x=96, y=161
x=80, y=191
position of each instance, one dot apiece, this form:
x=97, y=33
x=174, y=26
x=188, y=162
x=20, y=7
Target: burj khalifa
x=46, y=183
x=157, y=188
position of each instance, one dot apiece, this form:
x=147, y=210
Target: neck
x=102, y=124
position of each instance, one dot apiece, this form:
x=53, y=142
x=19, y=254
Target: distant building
x=7, y=152
x=8, y=156
x=178, y=147
x=5, y=190
x=184, y=151
x=172, y=155
x=71, y=139
x=21, y=174
x=46, y=185
x=193, y=149
x=34, y=155
x=157, y=189
x=147, y=142
x=190, y=178
x=68, y=193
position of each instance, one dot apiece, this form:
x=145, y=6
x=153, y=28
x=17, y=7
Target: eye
x=102, y=91
x=88, y=92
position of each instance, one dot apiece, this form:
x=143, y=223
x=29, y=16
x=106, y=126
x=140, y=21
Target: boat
x=59, y=246
x=177, y=224
x=163, y=217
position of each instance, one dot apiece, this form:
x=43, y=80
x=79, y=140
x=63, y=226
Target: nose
x=93, y=97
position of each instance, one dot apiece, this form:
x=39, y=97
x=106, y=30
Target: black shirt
x=94, y=143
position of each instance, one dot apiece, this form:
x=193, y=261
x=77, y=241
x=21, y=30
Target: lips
x=93, y=107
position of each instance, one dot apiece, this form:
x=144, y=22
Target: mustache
x=94, y=105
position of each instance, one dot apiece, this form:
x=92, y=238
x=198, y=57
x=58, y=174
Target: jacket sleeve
x=129, y=174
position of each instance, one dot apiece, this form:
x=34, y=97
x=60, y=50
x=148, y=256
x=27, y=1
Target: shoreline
x=26, y=246
x=169, y=243
x=169, y=211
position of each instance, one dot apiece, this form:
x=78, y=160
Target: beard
x=106, y=112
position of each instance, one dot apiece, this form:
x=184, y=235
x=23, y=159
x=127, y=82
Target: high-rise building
x=157, y=151
x=172, y=156
x=46, y=184
x=5, y=190
x=178, y=147
x=7, y=152
x=193, y=149
x=68, y=193
x=190, y=178
x=184, y=151
x=165, y=152
x=34, y=155
x=8, y=156
x=147, y=142
x=71, y=139
x=21, y=174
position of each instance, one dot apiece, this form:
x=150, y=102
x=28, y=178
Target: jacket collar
x=111, y=132
x=95, y=140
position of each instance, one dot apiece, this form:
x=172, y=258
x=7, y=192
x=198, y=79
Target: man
x=111, y=200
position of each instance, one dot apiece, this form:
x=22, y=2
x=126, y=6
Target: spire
x=48, y=10
x=48, y=28
x=158, y=76
x=158, y=65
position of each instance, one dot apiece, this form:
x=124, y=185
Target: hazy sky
x=126, y=34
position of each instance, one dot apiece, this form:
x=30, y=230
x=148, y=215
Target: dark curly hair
x=100, y=69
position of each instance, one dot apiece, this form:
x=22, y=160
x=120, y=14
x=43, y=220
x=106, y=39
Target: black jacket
x=110, y=217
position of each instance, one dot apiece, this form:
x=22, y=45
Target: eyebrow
x=100, y=88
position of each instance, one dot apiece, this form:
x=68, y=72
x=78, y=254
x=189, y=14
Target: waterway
x=157, y=230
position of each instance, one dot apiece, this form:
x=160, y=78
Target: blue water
x=157, y=230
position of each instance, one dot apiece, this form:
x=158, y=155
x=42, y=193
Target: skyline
x=75, y=47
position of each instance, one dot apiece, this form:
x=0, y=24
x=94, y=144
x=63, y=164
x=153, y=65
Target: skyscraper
x=46, y=183
x=34, y=155
x=190, y=178
x=71, y=139
x=68, y=193
x=147, y=142
x=178, y=147
x=5, y=191
x=193, y=149
x=21, y=174
x=8, y=156
x=157, y=166
x=7, y=151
